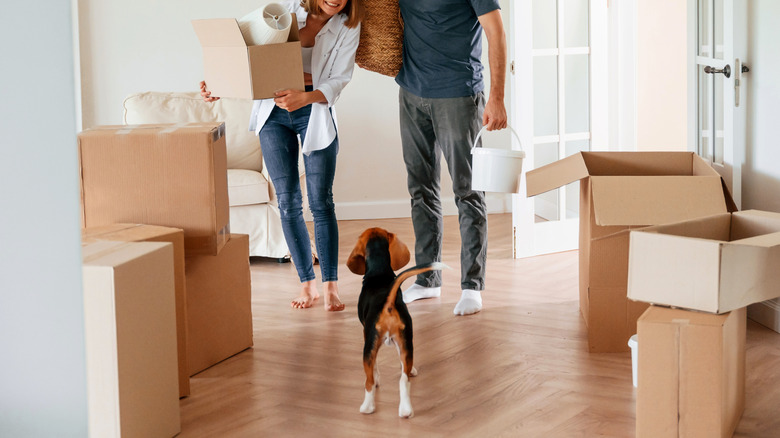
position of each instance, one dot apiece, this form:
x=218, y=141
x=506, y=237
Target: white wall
x=761, y=172
x=43, y=367
x=661, y=75
x=146, y=45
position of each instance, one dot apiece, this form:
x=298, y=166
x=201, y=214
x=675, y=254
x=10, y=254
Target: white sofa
x=253, y=207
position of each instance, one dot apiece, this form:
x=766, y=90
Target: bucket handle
x=479, y=134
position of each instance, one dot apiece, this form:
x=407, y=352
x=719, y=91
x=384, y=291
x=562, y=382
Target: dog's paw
x=368, y=403
x=414, y=372
x=367, y=407
x=405, y=410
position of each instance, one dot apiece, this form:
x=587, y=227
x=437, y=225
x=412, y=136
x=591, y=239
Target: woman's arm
x=343, y=66
x=205, y=93
x=330, y=88
x=292, y=100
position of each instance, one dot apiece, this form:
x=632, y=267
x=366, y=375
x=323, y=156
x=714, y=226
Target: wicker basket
x=381, y=38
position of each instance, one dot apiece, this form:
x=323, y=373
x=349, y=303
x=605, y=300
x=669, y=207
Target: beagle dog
x=382, y=311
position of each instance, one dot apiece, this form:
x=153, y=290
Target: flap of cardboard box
x=750, y=223
x=129, y=232
x=217, y=128
x=556, y=174
x=641, y=163
x=219, y=32
x=653, y=200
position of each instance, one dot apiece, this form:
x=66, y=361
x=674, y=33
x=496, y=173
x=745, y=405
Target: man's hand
x=205, y=93
x=494, y=116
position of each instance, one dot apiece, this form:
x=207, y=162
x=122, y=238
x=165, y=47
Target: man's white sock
x=417, y=292
x=470, y=302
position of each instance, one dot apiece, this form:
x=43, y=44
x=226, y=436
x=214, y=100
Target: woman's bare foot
x=332, y=302
x=307, y=297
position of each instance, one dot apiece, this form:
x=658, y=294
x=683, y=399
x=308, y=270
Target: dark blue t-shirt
x=443, y=47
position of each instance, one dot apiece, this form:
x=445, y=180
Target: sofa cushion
x=246, y=187
x=243, y=147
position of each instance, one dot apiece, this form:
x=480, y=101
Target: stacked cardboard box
x=715, y=264
x=620, y=191
x=176, y=176
x=692, y=364
x=130, y=327
x=219, y=304
x=691, y=373
x=152, y=233
x=167, y=175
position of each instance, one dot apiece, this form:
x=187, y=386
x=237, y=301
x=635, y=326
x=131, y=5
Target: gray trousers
x=431, y=128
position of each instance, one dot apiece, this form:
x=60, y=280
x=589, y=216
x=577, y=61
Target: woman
x=329, y=32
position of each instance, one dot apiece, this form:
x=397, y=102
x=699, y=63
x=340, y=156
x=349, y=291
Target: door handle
x=712, y=70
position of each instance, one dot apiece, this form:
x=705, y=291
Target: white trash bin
x=496, y=170
x=632, y=342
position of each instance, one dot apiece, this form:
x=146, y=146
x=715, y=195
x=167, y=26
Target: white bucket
x=496, y=170
x=632, y=342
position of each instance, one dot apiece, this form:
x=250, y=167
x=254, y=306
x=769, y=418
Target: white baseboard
x=766, y=313
x=401, y=208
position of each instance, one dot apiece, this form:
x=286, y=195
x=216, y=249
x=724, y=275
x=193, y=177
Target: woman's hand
x=291, y=100
x=206, y=93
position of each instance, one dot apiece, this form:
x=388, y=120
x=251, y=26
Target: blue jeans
x=279, y=143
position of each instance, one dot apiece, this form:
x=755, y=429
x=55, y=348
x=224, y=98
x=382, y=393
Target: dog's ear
x=357, y=260
x=399, y=253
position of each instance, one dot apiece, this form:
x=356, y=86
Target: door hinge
x=512, y=67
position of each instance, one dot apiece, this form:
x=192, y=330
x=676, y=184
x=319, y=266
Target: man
x=442, y=108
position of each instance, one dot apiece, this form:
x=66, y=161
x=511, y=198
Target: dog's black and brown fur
x=381, y=309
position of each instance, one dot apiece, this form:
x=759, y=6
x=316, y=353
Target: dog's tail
x=416, y=270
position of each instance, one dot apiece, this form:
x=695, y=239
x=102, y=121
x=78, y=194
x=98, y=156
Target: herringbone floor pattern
x=517, y=369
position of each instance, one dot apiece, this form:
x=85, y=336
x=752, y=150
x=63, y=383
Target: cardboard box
x=219, y=304
x=167, y=175
x=715, y=264
x=620, y=191
x=130, y=334
x=691, y=373
x=152, y=233
x=233, y=69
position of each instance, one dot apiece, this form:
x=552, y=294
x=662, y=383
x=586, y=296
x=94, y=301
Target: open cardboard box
x=620, y=191
x=715, y=264
x=233, y=69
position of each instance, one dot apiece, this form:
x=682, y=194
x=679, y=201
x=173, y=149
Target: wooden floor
x=519, y=368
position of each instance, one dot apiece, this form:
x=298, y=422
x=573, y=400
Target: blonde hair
x=353, y=10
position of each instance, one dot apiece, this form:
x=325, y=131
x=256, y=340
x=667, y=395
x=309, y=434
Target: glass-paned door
x=552, y=101
x=718, y=35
